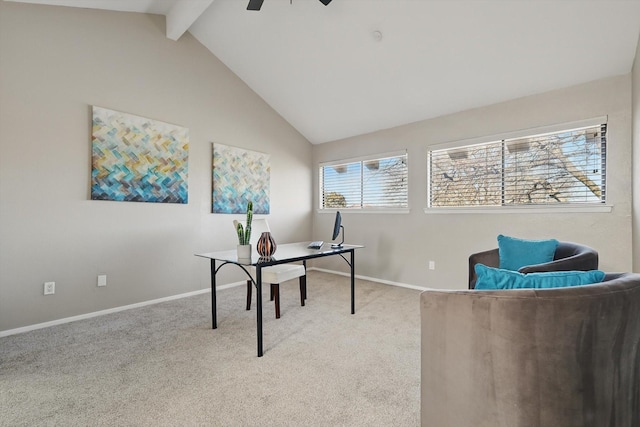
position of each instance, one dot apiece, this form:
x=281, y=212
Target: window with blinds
x=567, y=167
x=365, y=183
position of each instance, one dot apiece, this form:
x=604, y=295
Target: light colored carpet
x=163, y=365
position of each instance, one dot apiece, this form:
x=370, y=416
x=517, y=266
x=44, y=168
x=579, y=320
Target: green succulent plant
x=244, y=234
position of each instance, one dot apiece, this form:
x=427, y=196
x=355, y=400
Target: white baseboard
x=371, y=279
x=174, y=297
x=111, y=310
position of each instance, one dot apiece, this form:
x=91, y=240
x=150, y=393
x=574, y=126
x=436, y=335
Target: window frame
x=521, y=208
x=362, y=159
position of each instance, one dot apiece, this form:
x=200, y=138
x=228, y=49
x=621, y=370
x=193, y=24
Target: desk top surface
x=287, y=252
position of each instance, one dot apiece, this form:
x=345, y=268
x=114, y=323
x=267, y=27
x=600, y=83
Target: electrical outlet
x=102, y=280
x=432, y=265
x=49, y=288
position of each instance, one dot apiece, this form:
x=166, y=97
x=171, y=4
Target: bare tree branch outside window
x=379, y=183
x=559, y=167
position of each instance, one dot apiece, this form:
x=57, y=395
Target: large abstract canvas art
x=240, y=175
x=137, y=159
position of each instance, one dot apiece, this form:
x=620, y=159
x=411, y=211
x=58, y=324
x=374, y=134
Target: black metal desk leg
x=353, y=282
x=259, y=307
x=214, y=317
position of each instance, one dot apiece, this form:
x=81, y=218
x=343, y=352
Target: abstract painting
x=239, y=176
x=136, y=159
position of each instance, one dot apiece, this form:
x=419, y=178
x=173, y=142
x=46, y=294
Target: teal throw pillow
x=515, y=253
x=494, y=278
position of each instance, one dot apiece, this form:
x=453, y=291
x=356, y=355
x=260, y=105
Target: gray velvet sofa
x=564, y=357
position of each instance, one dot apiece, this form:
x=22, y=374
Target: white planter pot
x=244, y=252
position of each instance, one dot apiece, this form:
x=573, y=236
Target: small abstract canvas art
x=136, y=159
x=240, y=175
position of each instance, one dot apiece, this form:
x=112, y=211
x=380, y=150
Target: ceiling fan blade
x=325, y=2
x=256, y=4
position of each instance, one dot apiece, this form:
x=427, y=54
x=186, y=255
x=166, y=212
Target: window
x=560, y=167
x=378, y=182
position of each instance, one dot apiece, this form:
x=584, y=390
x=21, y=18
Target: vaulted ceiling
x=357, y=66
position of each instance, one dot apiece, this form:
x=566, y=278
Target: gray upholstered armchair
x=566, y=357
x=568, y=256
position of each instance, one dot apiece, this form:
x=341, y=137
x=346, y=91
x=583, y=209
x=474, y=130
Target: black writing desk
x=287, y=253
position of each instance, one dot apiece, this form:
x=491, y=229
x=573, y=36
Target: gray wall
x=399, y=246
x=55, y=63
x=636, y=161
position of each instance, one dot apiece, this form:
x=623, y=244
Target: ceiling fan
x=257, y=4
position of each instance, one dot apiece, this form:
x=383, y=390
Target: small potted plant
x=244, y=234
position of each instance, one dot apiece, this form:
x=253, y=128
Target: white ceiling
x=323, y=70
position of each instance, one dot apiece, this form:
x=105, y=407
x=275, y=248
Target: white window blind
x=366, y=183
x=563, y=167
